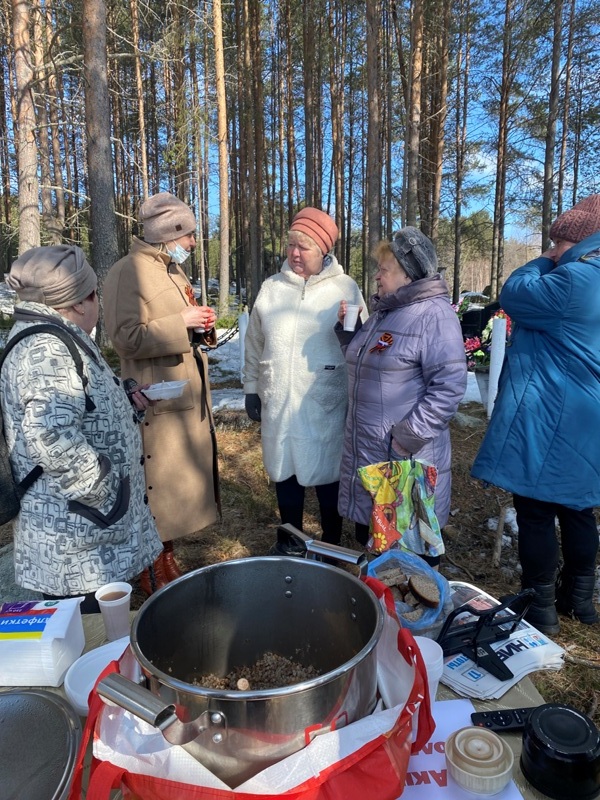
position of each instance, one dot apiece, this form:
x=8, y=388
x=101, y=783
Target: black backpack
x=11, y=492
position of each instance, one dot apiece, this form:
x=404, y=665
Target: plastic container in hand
x=351, y=317
x=167, y=390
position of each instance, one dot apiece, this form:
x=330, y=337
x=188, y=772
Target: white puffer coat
x=85, y=521
x=294, y=363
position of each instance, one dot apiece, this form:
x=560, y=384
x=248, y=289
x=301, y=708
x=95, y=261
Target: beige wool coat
x=144, y=294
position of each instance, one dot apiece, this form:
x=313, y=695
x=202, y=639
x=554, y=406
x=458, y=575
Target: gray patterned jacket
x=85, y=521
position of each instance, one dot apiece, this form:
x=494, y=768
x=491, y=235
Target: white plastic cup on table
x=351, y=317
x=114, y=600
x=433, y=656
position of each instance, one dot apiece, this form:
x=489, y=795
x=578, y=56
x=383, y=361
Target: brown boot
x=154, y=577
x=170, y=566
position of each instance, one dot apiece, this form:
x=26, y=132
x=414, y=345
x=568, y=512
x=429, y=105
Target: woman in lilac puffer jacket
x=407, y=373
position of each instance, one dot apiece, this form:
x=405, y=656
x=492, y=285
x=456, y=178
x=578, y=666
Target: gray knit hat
x=57, y=276
x=166, y=218
x=415, y=253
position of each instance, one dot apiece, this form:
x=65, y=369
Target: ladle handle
x=319, y=548
x=138, y=701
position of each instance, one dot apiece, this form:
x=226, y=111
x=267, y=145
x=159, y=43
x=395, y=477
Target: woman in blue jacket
x=543, y=440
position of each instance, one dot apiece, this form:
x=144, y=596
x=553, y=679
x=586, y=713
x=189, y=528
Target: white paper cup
x=433, y=656
x=114, y=600
x=351, y=317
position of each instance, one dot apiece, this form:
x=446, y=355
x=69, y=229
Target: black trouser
x=89, y=604
x=539, y=549
x=361, y=533
x=290, y=499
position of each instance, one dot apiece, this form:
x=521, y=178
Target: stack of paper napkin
x=39, y=640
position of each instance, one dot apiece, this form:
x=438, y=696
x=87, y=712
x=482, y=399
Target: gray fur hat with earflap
x=415, y=253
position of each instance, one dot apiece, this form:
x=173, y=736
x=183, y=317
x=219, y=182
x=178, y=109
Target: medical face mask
x=179, y=254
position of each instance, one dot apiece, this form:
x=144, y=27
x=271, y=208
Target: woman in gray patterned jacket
x=85, y=521
x=407, y=373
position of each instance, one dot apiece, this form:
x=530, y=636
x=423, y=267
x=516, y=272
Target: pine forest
x=475, y=120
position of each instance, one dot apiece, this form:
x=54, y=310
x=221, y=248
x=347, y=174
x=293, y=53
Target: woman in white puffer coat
x=295, y=375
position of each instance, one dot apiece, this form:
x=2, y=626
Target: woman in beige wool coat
x=151, y=315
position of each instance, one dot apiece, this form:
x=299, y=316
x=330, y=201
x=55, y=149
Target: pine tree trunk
x=566, y=107
x=463, y=63
x=551, y=124
x=223, y=161
x=439, y=118
x=104, y=242
x=414, y=114
x=139, y=84
x=500, y=193
x=374, y=159
x=29, y=213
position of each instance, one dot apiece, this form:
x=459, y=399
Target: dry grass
x=249, y=523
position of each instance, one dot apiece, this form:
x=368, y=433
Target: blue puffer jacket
x=543, y=440
x=413, y=388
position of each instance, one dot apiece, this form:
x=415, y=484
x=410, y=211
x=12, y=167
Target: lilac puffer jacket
x=410, y=388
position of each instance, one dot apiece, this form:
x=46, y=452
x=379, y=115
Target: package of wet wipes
x=39, y=640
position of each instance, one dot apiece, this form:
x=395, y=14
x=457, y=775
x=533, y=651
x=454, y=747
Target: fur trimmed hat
x=166, y=218
x=415, y=253
x=318, y=225
x=578, y=222
x=58, y=276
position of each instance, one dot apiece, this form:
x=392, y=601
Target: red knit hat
x=318, y=225
x=578, y=222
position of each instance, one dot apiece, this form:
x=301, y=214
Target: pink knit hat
x=578, y=222
x=318, y=225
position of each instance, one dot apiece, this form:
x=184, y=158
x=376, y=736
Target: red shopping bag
x=376, y=768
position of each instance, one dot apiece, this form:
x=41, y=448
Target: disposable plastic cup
x=433, y=656
x=351, y=317
x=114, y=600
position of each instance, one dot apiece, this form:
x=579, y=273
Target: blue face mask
x=179, y=254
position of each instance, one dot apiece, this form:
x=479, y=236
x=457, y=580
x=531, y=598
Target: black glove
x=253, y=406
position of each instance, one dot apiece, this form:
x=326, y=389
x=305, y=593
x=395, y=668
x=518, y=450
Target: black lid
x=39, y=738
x=565, y=730
x=561, y=753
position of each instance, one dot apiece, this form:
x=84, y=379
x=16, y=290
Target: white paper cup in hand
x=433, y=656
x=114, y=600
x=351, y=317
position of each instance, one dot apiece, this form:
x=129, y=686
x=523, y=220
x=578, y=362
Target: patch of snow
x=510, y=521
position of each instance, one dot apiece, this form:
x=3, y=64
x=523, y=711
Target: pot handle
x=137, y=700
x=140, y=702
x=315, y=547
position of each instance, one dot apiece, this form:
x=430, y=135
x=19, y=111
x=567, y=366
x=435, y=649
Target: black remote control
x=507, y=720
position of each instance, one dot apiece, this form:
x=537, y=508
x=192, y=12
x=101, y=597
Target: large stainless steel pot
x=228, y=615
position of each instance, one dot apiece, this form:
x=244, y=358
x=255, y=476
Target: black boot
x=331, y=525
x=542, y=612
x=574, y=597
